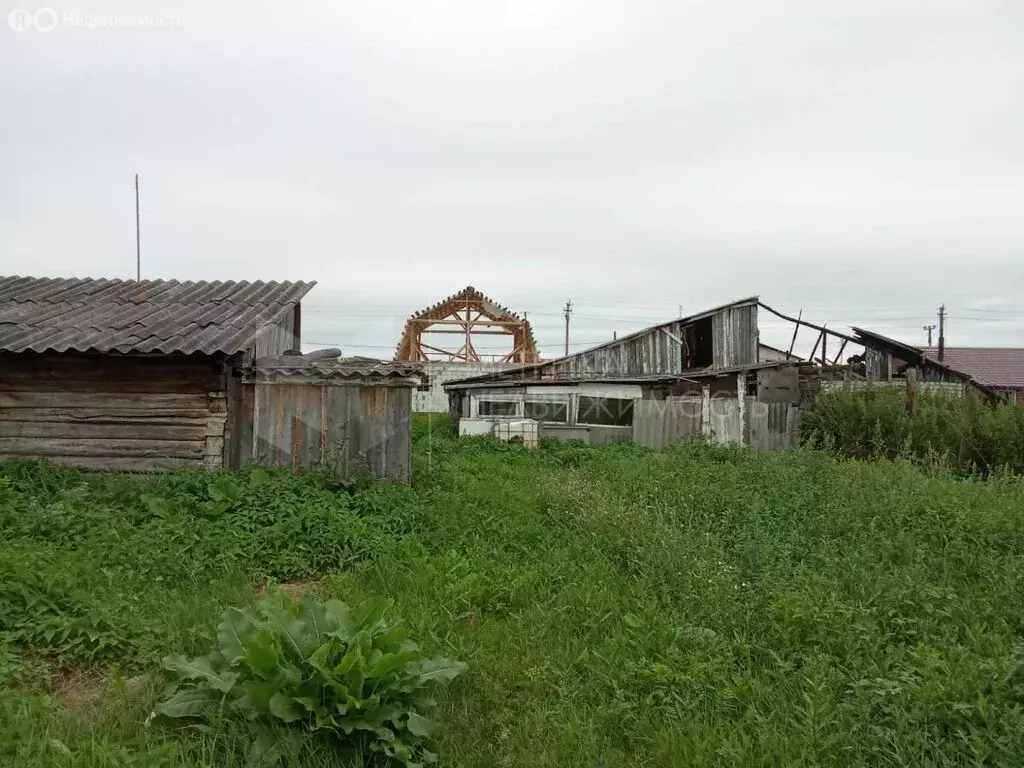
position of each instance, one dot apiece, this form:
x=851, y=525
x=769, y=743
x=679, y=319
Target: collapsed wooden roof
x=466, y=314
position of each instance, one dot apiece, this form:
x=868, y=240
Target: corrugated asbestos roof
x=334, y=368
x=86, y=314
x=995, y=366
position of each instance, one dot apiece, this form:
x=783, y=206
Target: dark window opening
x=605, y=411
x=497, y=408
x=547, y=411
x=700, y=348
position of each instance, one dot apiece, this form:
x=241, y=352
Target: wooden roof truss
x=466, y=315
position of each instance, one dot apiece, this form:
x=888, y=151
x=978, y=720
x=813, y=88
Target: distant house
x=127, y=376
x=1000, y=368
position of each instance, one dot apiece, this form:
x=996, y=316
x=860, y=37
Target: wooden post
x=796, y=329
x=817, y=341
x=911, y=375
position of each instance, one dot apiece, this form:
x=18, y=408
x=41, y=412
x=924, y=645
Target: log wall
x=114, y=412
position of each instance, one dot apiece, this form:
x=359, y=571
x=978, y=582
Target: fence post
x=912, y=392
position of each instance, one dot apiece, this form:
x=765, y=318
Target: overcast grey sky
x=863, y=160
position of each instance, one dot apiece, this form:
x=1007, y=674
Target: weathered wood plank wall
x=349, y=429
x=113, y=412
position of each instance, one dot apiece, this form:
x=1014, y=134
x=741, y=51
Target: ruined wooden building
x=705, y=375
x=118, y=375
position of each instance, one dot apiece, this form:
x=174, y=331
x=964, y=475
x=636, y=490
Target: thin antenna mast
x=138, y=237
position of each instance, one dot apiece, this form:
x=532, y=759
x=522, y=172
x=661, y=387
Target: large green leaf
x=318, y=622
x=282, y=616
x=284, y=707
x=437, y=670
x=201, y=670
x=348, y=661
x=393, y=636
x=392, y=662
x=263, y=653
x=236, y=628
x=371, y=612
x=320, y=660
x=188, y=702
x=342, y=623
x=258, y=693
x=420, y=726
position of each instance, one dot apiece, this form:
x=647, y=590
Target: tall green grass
x=959, y=433
x=617, y=607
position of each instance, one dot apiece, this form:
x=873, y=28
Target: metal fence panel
x=659, y=423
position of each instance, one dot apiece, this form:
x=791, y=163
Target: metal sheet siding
x=772, y=426
x=348, y=429
x=734, y=336
x=660, y=423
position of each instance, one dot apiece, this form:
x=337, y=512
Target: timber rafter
x=465, y=315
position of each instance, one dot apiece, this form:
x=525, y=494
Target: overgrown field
x=615, y=607
x=957, y=433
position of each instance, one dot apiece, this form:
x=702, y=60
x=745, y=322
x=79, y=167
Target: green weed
x=616, y=607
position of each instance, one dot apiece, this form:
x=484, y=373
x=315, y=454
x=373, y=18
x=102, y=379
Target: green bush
x=319, y=667
x=86, y=557
x=960, y=433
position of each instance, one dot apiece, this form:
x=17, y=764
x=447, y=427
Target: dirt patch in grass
x=83, y=690
x=296, y=590
x=79, y=689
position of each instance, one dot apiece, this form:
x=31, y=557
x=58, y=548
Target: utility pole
x=930, y=328
x=942, y=332
x=568, y=311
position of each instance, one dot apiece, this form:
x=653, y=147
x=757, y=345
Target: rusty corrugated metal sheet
x=42, y=314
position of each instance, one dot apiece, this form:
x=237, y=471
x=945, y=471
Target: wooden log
x=86, y=430
x=46, y=383
x=911, y=375
x=168, y=416
x=96, y=447
x=113, y=463
x=112, y=399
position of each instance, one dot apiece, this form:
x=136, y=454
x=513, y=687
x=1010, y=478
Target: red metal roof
x=86, y=314
x=995, y=366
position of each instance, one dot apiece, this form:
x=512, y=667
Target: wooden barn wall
x=734, y=336
x=877, y=364
x=113, y=412
x=652, y=352
x=347, y=429
x=278, y=338
x=659, y=350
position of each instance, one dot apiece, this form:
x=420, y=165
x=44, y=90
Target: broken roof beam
x=800, y=321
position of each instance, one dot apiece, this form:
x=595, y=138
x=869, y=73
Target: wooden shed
x=125, y=376
x=350, y=416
